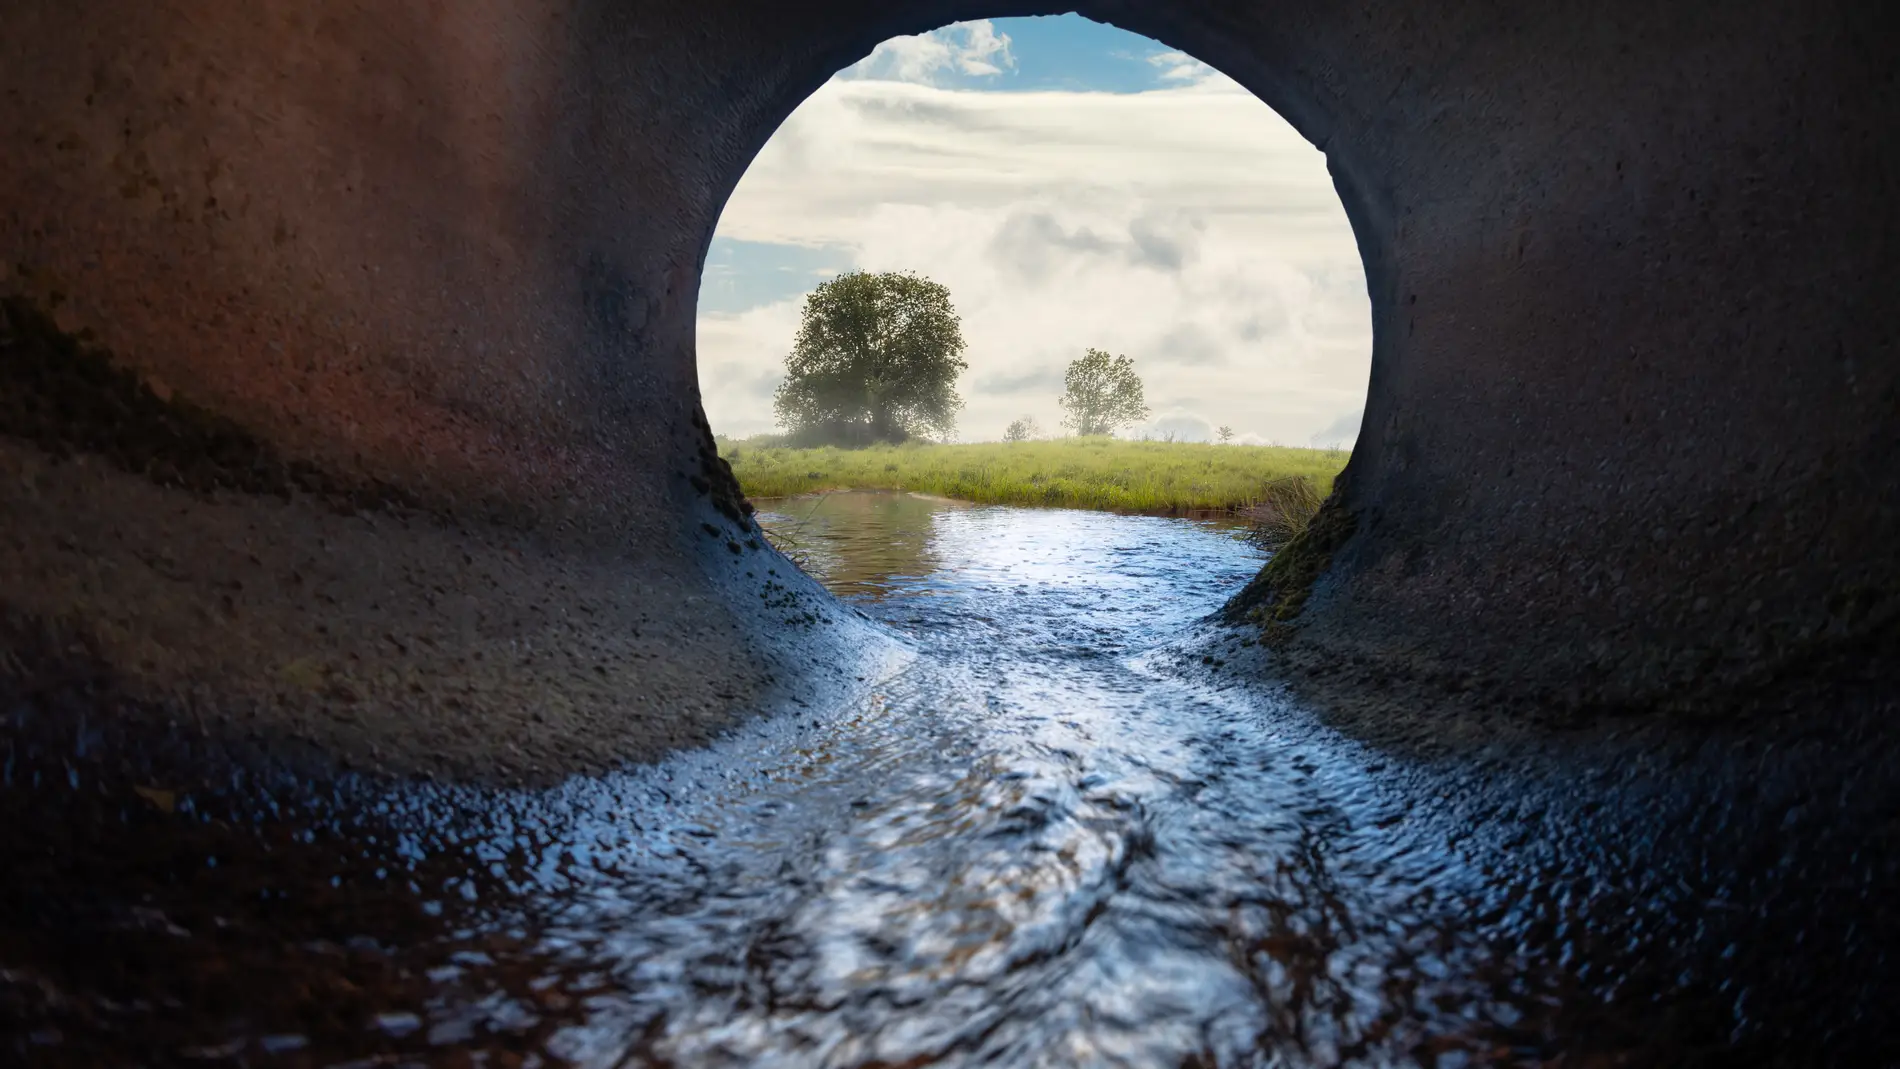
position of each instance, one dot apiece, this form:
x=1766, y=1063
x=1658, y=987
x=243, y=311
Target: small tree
x=1101, y=394
x=1022, y=430
x=876, y=360
x=1224, y=434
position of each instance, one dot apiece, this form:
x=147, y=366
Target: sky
x=1074, y=186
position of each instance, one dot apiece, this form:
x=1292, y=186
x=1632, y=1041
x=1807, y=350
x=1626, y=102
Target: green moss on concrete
x=66, y=395
x=1276, y=596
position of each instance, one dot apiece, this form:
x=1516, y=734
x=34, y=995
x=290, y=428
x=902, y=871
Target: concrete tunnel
x=349, y=424
x=350, y=347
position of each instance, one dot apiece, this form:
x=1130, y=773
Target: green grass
x=1090, y=473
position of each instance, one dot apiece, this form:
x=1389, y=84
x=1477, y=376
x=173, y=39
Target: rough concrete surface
x=568, y=659
x=1632, y=420
x=177, y=559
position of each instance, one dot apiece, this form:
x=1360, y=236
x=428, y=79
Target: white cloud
x=1178, y=426
x=1190, y=228
x=1181, y=67
x=1183, y=70
x=973, y=49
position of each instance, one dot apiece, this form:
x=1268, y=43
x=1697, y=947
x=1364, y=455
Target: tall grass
x=1284, y=511
x=1092, y=473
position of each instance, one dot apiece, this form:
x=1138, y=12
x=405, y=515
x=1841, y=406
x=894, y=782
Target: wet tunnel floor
x=1067, y=828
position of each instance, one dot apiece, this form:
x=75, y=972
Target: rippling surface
x=1049, y=855
x=1038, y=842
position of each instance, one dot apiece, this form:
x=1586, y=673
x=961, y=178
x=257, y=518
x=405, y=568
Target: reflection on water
x=1038, y=844
x=861, y=544
x=873, y=544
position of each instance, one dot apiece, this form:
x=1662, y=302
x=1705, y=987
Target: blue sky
x=1073, y=185
x=1068, y=52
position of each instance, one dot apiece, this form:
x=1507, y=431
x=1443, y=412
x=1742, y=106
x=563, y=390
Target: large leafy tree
x=876, y=360
x=1102, y=394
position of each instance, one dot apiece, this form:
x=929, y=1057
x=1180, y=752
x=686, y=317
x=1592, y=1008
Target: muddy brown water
x=1066, y=827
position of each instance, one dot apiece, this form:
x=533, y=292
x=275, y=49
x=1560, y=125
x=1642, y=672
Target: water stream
x=1038, y=842
x=1035, y=845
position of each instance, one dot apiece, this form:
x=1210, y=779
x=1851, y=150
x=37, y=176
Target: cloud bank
x=1187, y=226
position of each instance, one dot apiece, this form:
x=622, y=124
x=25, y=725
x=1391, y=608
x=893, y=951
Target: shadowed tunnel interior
x=349, y=409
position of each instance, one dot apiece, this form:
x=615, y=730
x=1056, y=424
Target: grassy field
x=1091, y=473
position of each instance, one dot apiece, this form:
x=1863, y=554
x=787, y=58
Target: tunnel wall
x=369, y=231
x=437, y=268
x=1631, y=433
x=1631, y=425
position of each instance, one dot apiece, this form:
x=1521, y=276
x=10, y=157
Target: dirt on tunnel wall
x=1630, y=439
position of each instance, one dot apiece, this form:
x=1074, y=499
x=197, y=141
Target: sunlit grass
x=1091, y=473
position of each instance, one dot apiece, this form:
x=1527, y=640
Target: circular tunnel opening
x=1073, y=188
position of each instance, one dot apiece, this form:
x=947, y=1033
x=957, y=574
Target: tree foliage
x=1102, y=394
x=1223, y=434
x=876, y=359
x=1022, y=430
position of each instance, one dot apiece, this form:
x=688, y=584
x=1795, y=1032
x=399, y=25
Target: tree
x=1022, y=430
x=1101, y=394
x=876, y=359
x=1223, y=434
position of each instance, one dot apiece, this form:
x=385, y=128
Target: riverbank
x=1165, y=478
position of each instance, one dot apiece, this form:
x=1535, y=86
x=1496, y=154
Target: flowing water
x=1052, y=851
x=1062, y=832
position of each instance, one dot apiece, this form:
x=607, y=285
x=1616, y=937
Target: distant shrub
x=1022, y=430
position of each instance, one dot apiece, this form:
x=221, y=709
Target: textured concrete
x=1631, y=436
